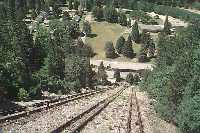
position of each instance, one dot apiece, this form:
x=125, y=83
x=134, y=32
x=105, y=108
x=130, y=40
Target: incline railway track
x=47, y=105
x=78, y=122
x=133, y=99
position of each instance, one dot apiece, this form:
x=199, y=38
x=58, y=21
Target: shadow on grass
x=92, y=35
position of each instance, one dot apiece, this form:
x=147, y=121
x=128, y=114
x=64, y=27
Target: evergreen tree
x=129, y=40
x=70, y=4
x=127, y=50
x=98, y=13
x=102, y=75
x=167, y=26
x=123, y=19
x=143, y=57
x=109, y=50
x=151, y=48
x=76, y=4
x=110, y=14
x=145, y=37
x=135, y=35
x=56, y=11
x=87, y=28
x=120, y=44
x=66, y=17
x=130, y=79
x=117, y=75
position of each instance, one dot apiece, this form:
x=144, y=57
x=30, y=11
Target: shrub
x=22, y=94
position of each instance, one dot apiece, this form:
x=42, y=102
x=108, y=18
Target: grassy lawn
x=108, y=32
x=105, y=32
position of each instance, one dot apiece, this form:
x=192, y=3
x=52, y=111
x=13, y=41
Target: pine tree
x=109, y=50
x=76, y=4
x=102, y=75
x=87, y=28
x=120, y=44
x=123, y=19
x=127, y=50
x=70, y=4
x=135, y=35
x=110, y=14
x=117, y=75
x=167, y=26
x=98, y=13
x=130, y=79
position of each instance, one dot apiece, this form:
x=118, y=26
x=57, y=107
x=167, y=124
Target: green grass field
x=107, y=32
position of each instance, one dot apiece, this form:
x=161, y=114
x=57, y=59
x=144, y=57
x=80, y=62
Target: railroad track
x=133, y=98
x=47, y=105
x=78, y=122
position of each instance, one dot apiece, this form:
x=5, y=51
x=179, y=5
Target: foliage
x=174, y=82
x=110, y=14
x=135, y=35
x=119, y=44
x=143, y=17
x=76, y=4
x=22, y=94
x=167, y=26
x=196, y=5
x=102, y=75
x=87, y=28
x=143, y=58
x=98, y=13
x=122, y=19
x=130, y=79
x=117, y=75
x=127, y=50
x=110, y=50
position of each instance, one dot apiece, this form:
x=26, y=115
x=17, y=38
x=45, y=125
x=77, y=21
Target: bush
x=22, y=94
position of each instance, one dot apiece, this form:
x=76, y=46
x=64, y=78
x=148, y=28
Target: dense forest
x=174, y=82
x=47, y=58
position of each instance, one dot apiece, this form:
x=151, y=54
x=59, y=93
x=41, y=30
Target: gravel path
x=123, y=65
x=174, y=21
x=49, y=120
x=113, y=119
